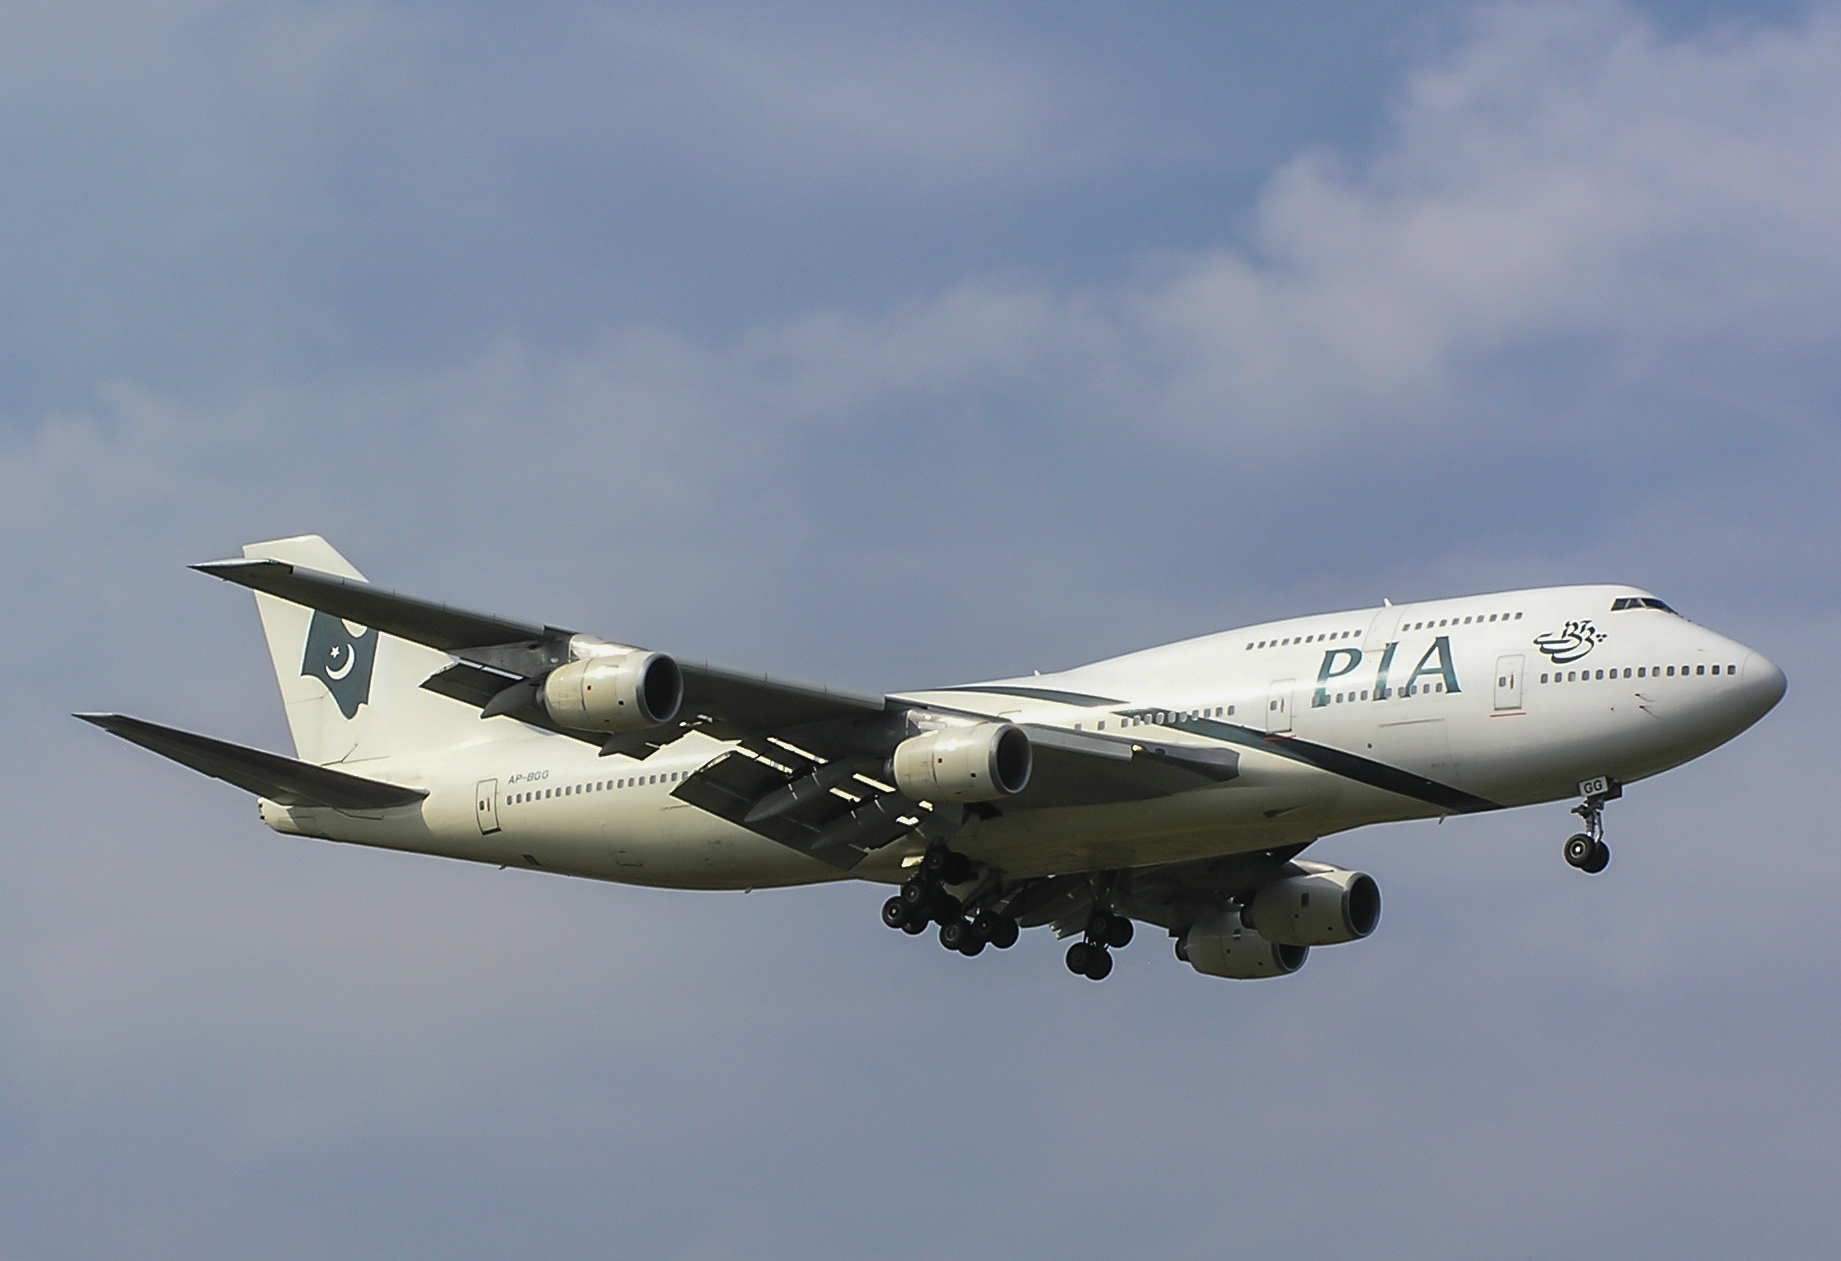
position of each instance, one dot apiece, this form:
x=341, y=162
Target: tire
x=914, y=925
x=1600, y=859
x=973, y=947
x=1099, y=965
x=955, y=933
x=1078, y=957
x=894, y=912
x=933, y=862
x=1118, y=932
x=1004, y=932
x=1579, y=850
x=914, y=893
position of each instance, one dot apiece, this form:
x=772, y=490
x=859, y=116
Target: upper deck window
x=1639, y=602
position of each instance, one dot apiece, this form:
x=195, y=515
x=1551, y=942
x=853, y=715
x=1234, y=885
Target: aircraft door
x=1278, y=704
x=486, y=806
x=1508, y=682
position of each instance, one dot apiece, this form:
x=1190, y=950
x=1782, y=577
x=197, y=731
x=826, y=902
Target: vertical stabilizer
x=351, y=693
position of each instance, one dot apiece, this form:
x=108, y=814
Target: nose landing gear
x=1586, y=850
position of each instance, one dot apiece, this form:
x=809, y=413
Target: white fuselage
x=1339, y=720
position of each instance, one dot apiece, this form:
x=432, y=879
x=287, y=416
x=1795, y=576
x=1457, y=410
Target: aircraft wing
x=280, y=779
x=500, y=657
x=840, y=811
x=806, y=766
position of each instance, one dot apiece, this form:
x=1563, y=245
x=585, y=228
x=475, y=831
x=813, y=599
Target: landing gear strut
x=1586, y=850
x=1089, y=956
x=923, y=900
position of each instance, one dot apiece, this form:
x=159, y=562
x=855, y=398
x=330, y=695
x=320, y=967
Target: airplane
x=1177, y=787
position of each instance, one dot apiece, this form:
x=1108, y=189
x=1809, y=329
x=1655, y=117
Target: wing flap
x=280, y=779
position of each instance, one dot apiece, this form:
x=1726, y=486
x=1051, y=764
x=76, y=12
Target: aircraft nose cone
x=1762, y=683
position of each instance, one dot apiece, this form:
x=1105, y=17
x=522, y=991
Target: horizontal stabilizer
x=280, y=779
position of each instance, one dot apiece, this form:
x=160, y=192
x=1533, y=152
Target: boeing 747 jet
x=1178, y=787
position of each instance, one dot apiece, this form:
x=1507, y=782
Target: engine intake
x=976, y=763
x=614, y=693
x=1223, y=945
x=1320, y=906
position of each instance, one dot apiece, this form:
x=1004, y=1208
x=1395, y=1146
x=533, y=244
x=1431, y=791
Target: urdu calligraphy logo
x=340, y=660
x=1570, y=642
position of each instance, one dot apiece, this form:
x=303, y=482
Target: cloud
x=1571, y=311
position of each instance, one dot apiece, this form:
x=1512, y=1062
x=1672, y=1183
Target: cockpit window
x=1640, y=602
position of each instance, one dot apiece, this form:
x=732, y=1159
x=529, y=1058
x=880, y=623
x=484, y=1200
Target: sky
x=894, y=346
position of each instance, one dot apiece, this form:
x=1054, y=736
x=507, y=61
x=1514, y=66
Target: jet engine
x=614, y=693
x=1222, y=945
x=1319, y=906
x=976, y=763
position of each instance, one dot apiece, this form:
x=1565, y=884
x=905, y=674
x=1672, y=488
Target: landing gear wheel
x=1118, y=932
x=914, y=893
x=914, y=925
x=894, y=912
x=933, y=862
x=973, y=947
x=955, y=933
x=1000, y=930
x=1088, y=960
x=1586, y=850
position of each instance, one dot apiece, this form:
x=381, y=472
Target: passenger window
x=1601, y=674
x=1230, y=711
x=1492, y=617
x=1671, y=672
x=1700, y=669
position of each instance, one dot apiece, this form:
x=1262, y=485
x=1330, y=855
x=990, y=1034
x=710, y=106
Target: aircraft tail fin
x=351, y=692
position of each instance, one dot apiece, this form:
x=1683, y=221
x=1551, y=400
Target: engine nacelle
x=1320, y=906
x=614, y=693
x=1221, y=945
x=976, y=763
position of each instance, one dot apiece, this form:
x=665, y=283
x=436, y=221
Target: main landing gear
x=1586, y=850
x=923, y=900
x=1089, y=957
